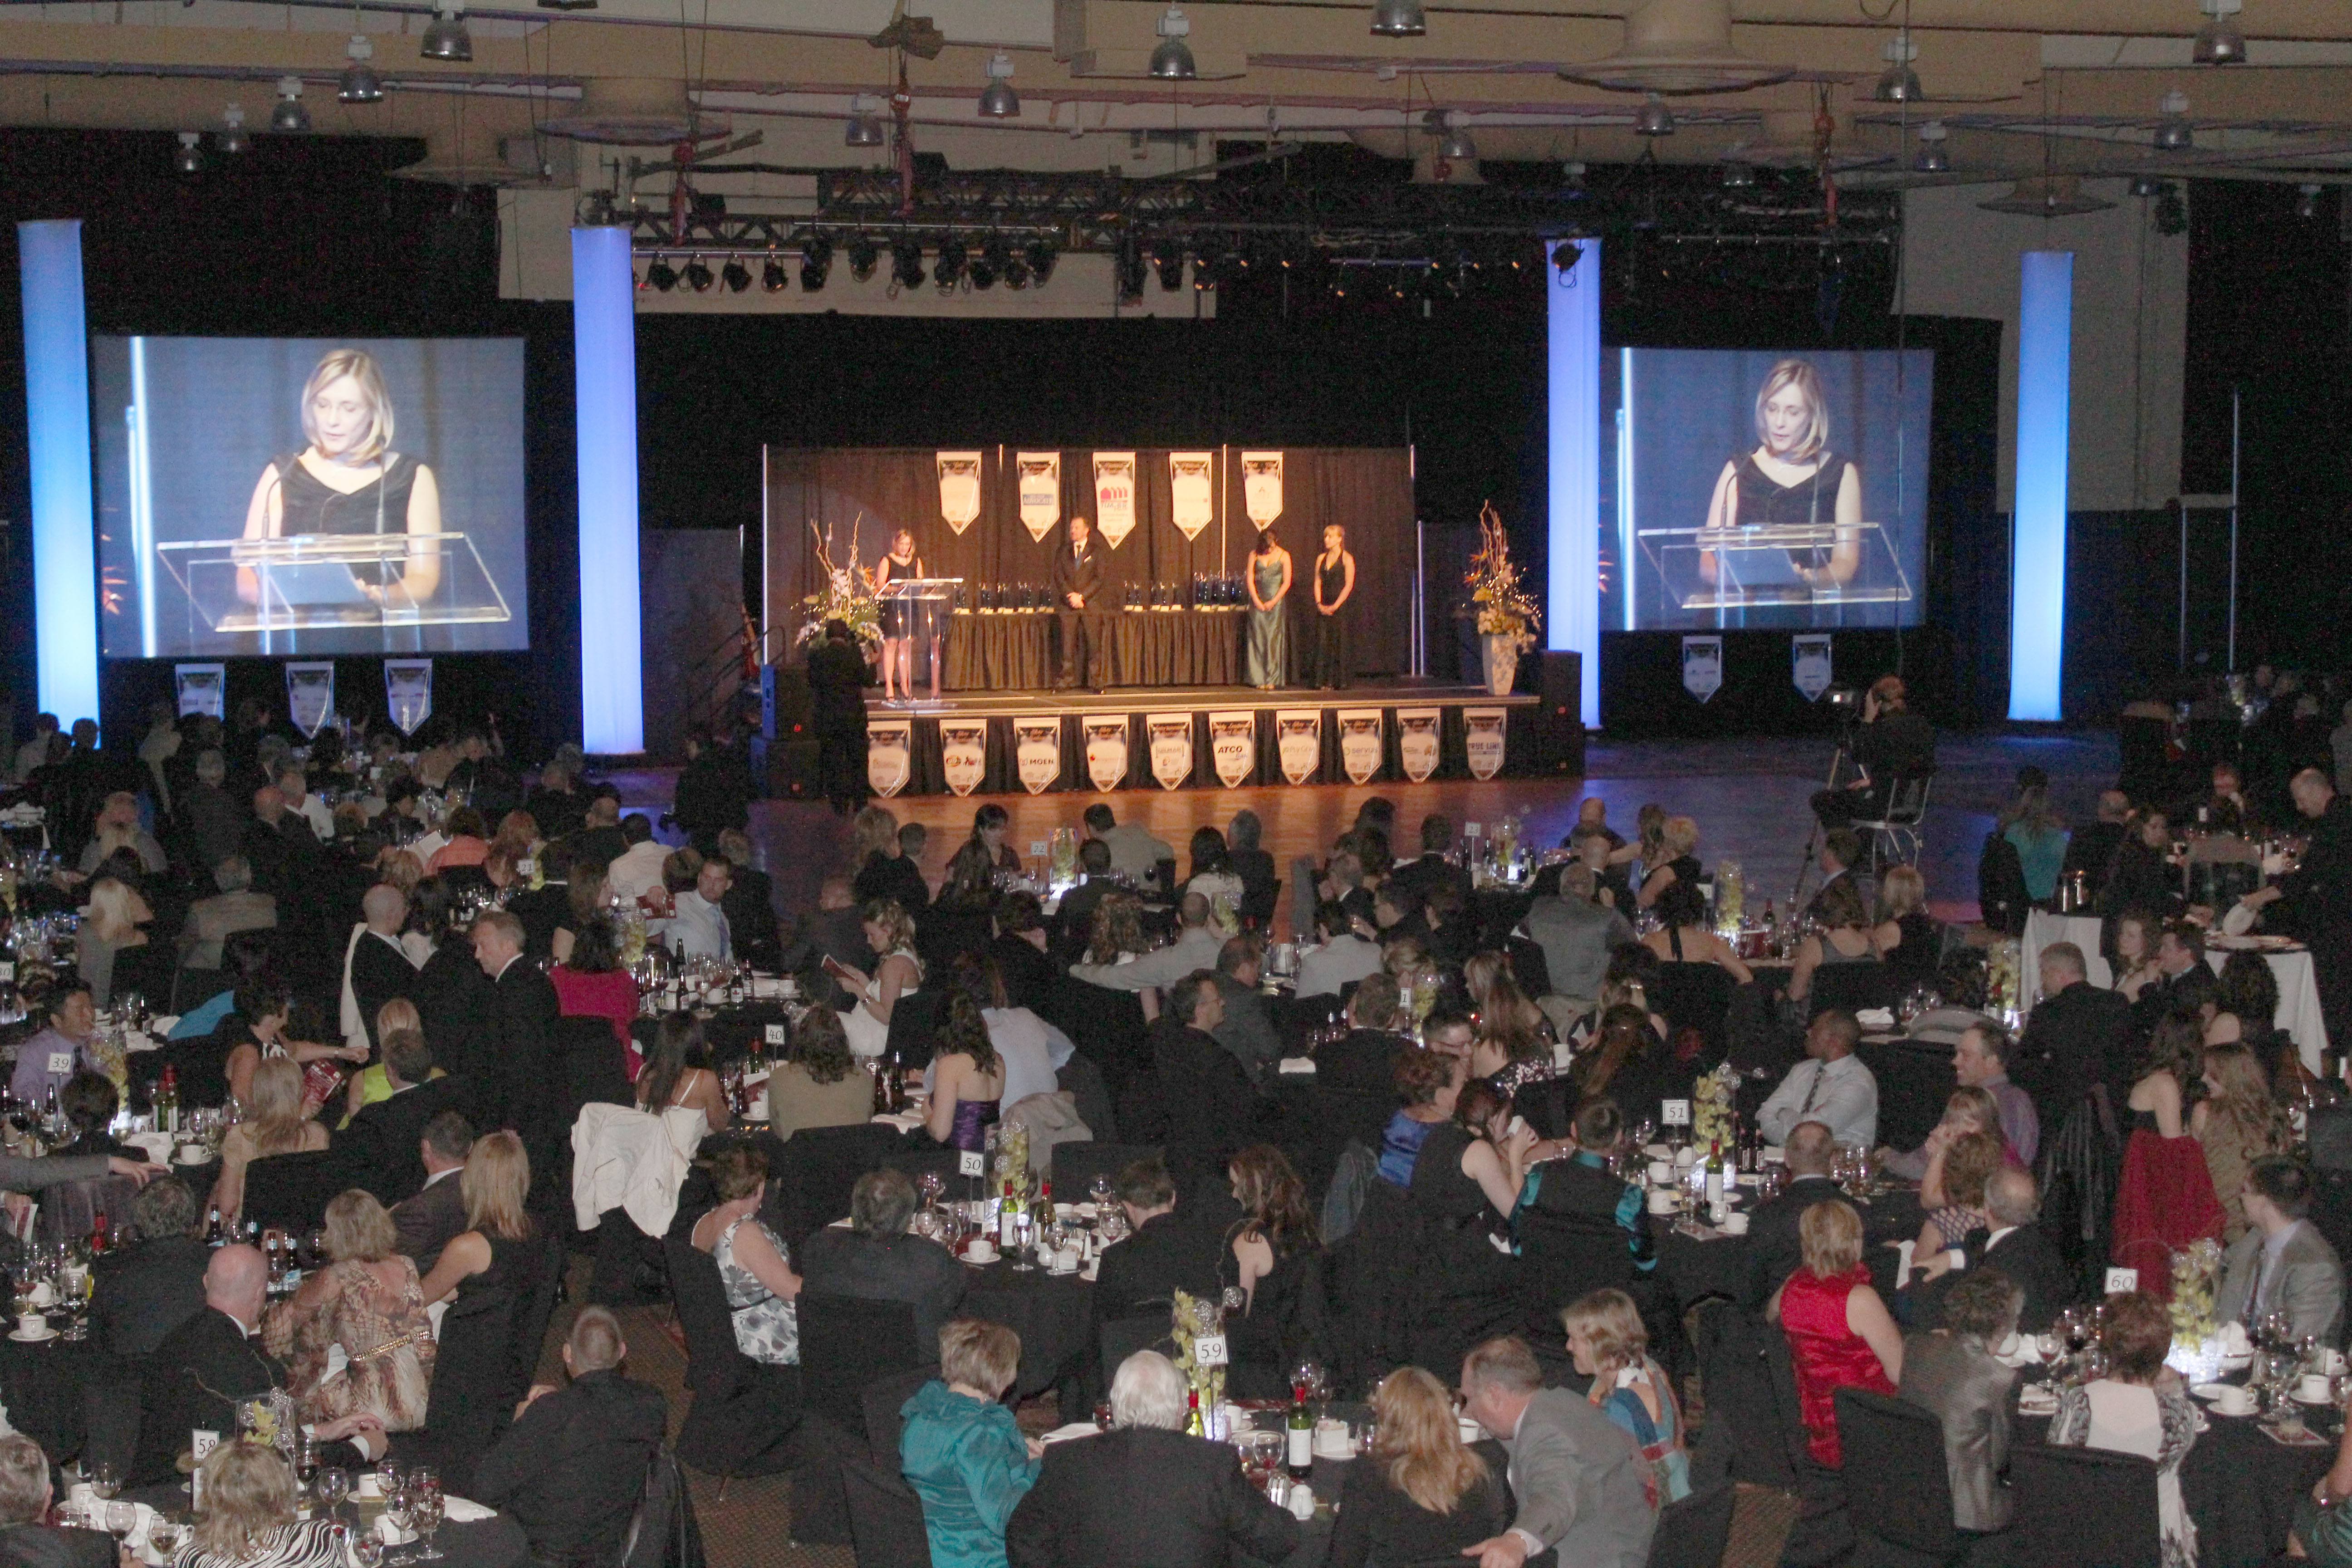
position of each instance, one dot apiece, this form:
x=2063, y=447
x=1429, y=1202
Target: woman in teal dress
x=961, y=1450
x=1612, y=1347
x=1268, y=652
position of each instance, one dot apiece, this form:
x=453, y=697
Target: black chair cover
x=472, y=1403
x=744, y=1413
x=848, y=1343
x=885, y=1518
x=1694, y=1533
x=2083, y=1505
x=290, y=1192
x=1898, y=1490
x=883, y=1399
x=1075, y=1164
x=1698, y=996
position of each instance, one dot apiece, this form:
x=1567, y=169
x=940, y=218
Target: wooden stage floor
x=1197, y=698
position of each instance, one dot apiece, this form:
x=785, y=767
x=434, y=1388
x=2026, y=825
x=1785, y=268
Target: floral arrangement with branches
x=1505, y=609
x=848, y=595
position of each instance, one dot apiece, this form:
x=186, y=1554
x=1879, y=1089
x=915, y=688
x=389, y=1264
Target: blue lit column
x=1572, y=607
x=604, y=353
x=2037, y=593
x=57, y=410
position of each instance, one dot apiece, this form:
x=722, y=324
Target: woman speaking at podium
x=349, y=480
x=1792, y=479
x=899, y=617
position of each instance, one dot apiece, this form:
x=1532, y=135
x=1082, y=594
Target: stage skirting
x=1015, y=651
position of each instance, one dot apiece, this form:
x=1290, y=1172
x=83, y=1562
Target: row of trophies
x=1207, y=591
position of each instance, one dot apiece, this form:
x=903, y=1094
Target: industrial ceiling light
x=2146, y=185
x=1172, y=60
x=771, y=275
x=865, y=121
x=2173, y=131
x=2306, y=200
x=1399, y=19
x=948, y=268
x=984, y=269
x=1457, y=146
x=1738, y=174
x=233, y=137
x=737, y=276
x=699, y=275
x=290, y=114
x=2219, y=42
x=445, y=38
x=864, y=254
x=1655, y=118
x=360, y=84
x=1016, y=272
x=1898, y=83
x=1042, y=258
x=1128, y=270
x=190, y=158
x=997, y=100
x=816, y=261
x=1933, y=159
x=1168, y=262
x=662, y=275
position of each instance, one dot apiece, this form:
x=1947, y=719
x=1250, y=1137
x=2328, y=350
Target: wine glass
x=367, y=1548
x=399, y=1506
x=119, y=1520
x=1099, y=1190
x=334, y=1485
x=425, y=1510
x=105, y=1480
x=165, y=1534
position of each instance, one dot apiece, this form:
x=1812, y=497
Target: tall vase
x=1501, y=664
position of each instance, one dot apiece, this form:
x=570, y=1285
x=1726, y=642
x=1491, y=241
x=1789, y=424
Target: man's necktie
x=1813, y=1089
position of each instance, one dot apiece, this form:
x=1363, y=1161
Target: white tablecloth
x=2298, y=1008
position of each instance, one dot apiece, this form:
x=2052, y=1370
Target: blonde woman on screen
x=347, y=479
x=1792, y=478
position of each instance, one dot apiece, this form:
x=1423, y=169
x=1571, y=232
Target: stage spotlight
x=906, y=264
x=2219, y=42
x=1172, y=60
x=2174, y=133
x=865, y=121
x=1128, y=269
x=1169, y=260
x=699, y=275
x=772, y=279
x=445, y=38
x=233, y=139
x=816, y=260
x=190, y=158
x=1016, y=273
x=1566, y=255
x=993, y=261
x=2306, y=200
x=1399, y=19
x=290, y=114
x=1655, y=118
x=1933, y=159
x=863, y=256
x=997, y=100
x=360, y=83
x=1041, y=261
x=1457, y=147
x=1898, y=83
x=1205, y=276
x=949, y=269
x=737, y=276
x=662, y=275
x=2146, y=185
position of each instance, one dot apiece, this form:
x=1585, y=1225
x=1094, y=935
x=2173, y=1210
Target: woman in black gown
x=1274, y=1255
x=1334, y=584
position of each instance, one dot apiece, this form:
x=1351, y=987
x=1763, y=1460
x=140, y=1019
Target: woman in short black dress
x=898, y=616
x=1334, y=584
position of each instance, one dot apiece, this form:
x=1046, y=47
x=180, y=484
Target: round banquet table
x=47, y=1388
x=1014, y=652
x=729, y=1032
x=2298, y=1007
x=1696, y=1267
x=1331, y=1475
x=494, y=1543
x=1052, y=1313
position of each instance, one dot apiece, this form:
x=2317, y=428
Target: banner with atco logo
x=889, y=754
x=963, y=753
x=1170, y=736
x=1233, y=745
x=1417, y=742
x=1298, y=741
x=1106, y=739
x=1114, y=496
x=1482, y=740
x=1360, y=743
x=1037, y=750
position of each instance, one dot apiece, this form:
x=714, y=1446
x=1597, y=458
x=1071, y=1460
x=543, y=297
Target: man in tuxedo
x=277, y=843
x=1774, y=1252
x=1164, y=1251
x=1212, y=1110
x=1433, y=867
x=1364, y=1059
x=435, y=1216
x=381, y=1143
x=516, y=1090
x=572, y=1466
x=600, y=837
x=1841, y=850
x=1019, y=948
x=875, y=1261
x=2188, y=982
x=1145, y=1492
x=1582, y=1486
x=2092, y=848
x=378, y=969
x=1077, y=582
x=2012, y=1243
x=2073, y=1038
x=27, y=1540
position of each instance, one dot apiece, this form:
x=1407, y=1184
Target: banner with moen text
x=1037, y=750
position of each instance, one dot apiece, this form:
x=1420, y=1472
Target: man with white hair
x=1580, y=1483
x=2011, y=1241
x=1145, y=1492
x=376, y=968
x=2073, y=1038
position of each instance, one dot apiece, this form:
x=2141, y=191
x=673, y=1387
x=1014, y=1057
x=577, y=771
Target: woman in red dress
x=592, y=984
x=1840, y=1334
x=2164, y=1198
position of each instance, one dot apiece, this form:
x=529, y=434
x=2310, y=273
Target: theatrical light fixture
x=2219, y=42
x=2173, y=131
x=1172, y=60
x=445, y=38
x=1933, y=159
x=699, y=275
x=1205, y=276
x=1898, y=83
x=2306, y=200
x=290, y=114
x=1566, y=255
x=906, y=264
x=771, y=275
x=1041, y=261
x=865, y=121
x=190, y=158
x=1126, y=271
x=233, y=137
x=1168, y=261
x=2146, y=185
x=1738, y=176
x=1655, y=118
x=2171, y=211
x=864, y=255
x=1457, y=147
x=994, y=261
x=1571, y=177
x=816, y=260
x=1016, y=272
x=738, y=277
x=948, y=271
x=662, y=275
x=997, y=100
x=1399, y=19
x=360, y=83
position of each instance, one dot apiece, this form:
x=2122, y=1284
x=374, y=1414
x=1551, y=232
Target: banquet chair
x=290, y=1192
x=1694, y=1533
x=915, y=1023
x=1075, y=1164
x=1896, y=826
x=534, y=1310
x=883, y=1398
x=1698, y=996
x=1850, y=987
x=814, y=1173
x=1898, y=1488
x=1562, y=1256
x=472, y=1403
x=1115, y=1339
x=191, y=986
x=848, y=1343
x=886, y=1517
x=1259, y=905
x=1110, y=1024
x=2078, y=1506
x=1084, y=1081
x=744, y=1413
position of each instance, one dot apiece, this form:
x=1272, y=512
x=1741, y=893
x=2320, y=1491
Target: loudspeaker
x=785, y=706
x=1559, y=722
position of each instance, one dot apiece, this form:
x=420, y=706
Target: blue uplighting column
x=605, y=369
x=1572, y=607
x=57, y=414
x=2037, y=593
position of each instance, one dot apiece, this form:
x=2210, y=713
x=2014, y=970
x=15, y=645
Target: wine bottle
x=1301, y=1455
x=1008, y=1220
x=1192, y=1413
x=1714, y=1174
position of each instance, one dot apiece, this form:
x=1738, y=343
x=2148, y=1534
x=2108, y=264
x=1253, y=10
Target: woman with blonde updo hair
x=366, y=1301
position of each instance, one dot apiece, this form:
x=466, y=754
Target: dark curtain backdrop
x=1366, y=490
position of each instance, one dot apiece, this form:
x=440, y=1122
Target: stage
x=1188, y=737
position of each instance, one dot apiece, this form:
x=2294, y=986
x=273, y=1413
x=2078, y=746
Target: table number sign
x=2122, y=1281
x=1674, y=1113
x=774, y=1034
x=971, y=1162
x=1209, y=1350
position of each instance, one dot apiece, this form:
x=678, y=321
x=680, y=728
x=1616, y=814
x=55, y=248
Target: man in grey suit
x=237, y=907
x=1577, y=935
x=1951, y=1372
x=2282, y=1263
x=1578, y=1476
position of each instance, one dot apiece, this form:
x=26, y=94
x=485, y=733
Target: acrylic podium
x=1728, y=570
x=319, y=582
x=922, y=605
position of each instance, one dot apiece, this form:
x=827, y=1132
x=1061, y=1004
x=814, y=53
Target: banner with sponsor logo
x=1170, y=739
x=310, y=694
x=204, y=689
x=1233, y=745
x=1107, y=738
x=1360, y=743
x=1114, y=496
x=963, y=753
x=409, y=692
x=1482, y=740
x=1191, y=491
x=889, y=756
x=1809, y=660
x=958, y=489
x=1298, y=741
x=1417, y=742
x=1037, y=750
x=1262, y=487
x=1039, y=476
x=1702, y=666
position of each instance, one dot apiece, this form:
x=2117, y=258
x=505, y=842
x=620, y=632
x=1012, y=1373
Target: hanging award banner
x=963, y=753
x=1298, y=741
x=1360, y=743
x=1702, y=666
x=1192, y=483
x=202, y=688
x=1417, y=733
x=1809, y=660
x=958, y=489
x=1262, y=487
x=1170, y=739
x=1482, y=740
x=1037, y=750
x=408, y=692
x=1039, y=475
x=1106, y=749
x=889, y=754
x=1114, y=496
x=309, y=694
x=1233, y=746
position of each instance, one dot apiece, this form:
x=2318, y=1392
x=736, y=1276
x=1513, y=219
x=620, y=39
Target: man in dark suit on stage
x=1078, y=579
x=523, y=1063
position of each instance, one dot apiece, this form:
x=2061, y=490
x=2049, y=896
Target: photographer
x=1890, y=744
